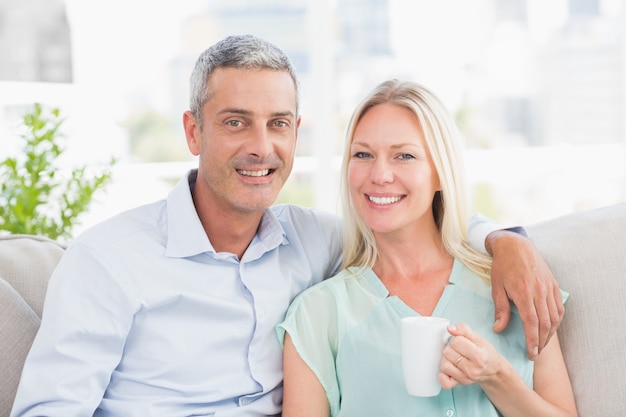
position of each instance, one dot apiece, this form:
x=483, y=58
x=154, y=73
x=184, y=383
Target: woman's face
x=391, y=177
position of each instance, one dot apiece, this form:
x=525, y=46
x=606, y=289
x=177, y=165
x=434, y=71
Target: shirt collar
x=269, y=236
x=186, y=236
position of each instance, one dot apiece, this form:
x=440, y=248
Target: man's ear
x=298, y=126
x=192, y=132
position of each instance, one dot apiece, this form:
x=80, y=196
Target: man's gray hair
x=241, y=51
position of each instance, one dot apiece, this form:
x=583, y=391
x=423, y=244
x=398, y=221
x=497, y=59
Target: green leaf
x=35, y=196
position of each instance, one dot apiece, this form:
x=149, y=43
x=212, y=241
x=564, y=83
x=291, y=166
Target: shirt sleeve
x=332, y=228
x=480, y=227
x=85, y=320
x=314, y=335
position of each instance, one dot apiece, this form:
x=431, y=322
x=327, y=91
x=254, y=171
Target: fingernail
x=535, y=352
x=452, y=327
x=495, y=323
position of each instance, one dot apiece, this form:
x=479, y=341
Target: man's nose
x=260, y=143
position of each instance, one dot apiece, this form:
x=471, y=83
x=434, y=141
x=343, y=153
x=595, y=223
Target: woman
x=406, y=254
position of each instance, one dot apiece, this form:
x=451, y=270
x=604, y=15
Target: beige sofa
x=25, y=265
x=586, y=251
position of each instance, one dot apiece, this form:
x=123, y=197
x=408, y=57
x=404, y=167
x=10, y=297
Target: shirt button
x=450, y=413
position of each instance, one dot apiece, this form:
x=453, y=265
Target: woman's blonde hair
x=449, y=205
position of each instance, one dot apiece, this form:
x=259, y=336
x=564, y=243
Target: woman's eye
x=406, y=156
x=361, y=155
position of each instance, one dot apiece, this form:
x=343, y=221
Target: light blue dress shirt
x=143, y=318
x=347, y=330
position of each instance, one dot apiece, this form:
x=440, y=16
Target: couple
x=171, y=309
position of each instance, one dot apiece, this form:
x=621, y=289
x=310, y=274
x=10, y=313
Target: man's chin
x=255, y=205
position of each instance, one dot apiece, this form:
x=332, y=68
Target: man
x=169, y=309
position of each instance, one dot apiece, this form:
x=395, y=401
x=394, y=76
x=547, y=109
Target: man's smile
x=259, y=173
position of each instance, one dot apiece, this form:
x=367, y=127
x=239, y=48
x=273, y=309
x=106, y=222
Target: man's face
x=247, y=142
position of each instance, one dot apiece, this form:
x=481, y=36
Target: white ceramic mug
x=423, y=341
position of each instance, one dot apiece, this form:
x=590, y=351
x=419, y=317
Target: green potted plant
x=38, y=197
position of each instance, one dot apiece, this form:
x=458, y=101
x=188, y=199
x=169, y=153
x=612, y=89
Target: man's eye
x=234, y=123
x=281, y=123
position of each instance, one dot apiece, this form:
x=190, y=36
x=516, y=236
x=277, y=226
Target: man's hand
x=520, y=274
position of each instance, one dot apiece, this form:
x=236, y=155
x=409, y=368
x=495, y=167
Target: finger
x=462, y=329
x=447, y=382
x=450, y=358
x=544, y=323
x=556, y=311
x=456, y=358
x=530, y=321
x=450, y=367
x=464, y=343
x=560, y=308
x=527, y=306
x=502, y=308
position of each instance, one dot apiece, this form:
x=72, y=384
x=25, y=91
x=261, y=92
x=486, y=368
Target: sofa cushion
x=18, y=325
x=587, y=254
x=26, y=262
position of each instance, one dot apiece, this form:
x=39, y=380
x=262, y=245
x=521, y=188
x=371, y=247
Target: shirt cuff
x=480, y=227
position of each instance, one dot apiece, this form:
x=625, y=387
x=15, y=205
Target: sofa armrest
x=587, y=254
x=18, y=326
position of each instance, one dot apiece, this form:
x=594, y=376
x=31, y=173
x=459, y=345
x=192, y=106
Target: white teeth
x=261, y=173
x=383, y=200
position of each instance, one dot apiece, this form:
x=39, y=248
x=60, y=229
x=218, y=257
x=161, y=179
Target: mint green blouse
x=347, y=329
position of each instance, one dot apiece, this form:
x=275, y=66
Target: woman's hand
x=469, y=359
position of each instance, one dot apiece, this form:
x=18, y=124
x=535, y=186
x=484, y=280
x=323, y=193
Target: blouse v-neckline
x=377, y=286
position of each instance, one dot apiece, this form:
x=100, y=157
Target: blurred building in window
x=538, y=87
x=35, y=41
x=583, y=74
x=364, y=28
x=565, y=87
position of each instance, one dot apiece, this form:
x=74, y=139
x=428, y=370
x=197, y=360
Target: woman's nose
x=381, y=172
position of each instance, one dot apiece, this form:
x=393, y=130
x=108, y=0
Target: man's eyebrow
x=284, y=114
x=244, y=112
x=235, y=111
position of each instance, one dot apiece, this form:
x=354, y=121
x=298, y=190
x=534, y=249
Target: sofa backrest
x=586, y=251
x=26, y=263
x=18, y=326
